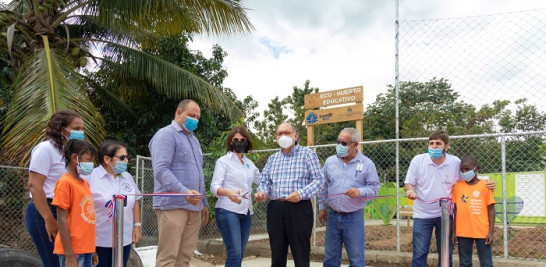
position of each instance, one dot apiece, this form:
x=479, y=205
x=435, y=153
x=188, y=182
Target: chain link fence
x=504, y=158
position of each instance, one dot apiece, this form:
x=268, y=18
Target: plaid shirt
x=298, y=170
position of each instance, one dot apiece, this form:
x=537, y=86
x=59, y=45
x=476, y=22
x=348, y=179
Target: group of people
x=70, y=214
x=290, y=178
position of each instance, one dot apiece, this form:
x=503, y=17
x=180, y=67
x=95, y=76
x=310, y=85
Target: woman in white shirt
x=108, y=179
x=45, y=168
x=232, y=184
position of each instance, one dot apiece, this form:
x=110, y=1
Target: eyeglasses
x=343, y=143
x=239, y=140
x=122, y=157
x=282, y=133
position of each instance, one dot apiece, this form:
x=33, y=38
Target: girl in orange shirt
x=75, y=242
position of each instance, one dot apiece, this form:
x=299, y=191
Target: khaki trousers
x=178, y=232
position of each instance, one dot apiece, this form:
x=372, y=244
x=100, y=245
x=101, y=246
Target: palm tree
x=49, y=42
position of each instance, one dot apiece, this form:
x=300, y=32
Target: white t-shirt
x=47, y=160
x=230, y=173
x=104, y=187
x=431, y=182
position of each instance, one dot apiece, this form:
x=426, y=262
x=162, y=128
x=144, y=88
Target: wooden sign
x=345, y=113
x=335, y=97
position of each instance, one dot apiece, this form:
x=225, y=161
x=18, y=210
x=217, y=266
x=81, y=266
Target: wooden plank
x=334, y=97
x=345, y=113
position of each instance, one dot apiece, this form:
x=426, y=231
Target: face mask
x=341, y=150
x=285, y=141
x=469, y=175
x=77, y=135
x=239, y=146
x=191, y=124
x=85, y=168
x=120, y=167
x=435, y=153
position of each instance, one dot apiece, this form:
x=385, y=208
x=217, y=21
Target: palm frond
x=174, y=16
x=169, y=79
x=41, y=89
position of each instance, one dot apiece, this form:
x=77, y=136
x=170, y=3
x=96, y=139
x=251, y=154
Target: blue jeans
x=235, y=229
x=345, y=229
x=35, y=225
x=105, y=256
x=84, y=260
x=485, y=252
x=422, y=235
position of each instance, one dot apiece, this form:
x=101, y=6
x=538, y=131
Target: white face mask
x=285, y=141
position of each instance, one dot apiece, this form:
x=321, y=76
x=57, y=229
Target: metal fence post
x=397, y=130
x=117, y=232
x=504, y=215
x=446, y=229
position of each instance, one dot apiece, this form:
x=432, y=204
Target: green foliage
x=384, y=208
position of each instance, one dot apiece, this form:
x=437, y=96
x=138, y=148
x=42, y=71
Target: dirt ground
x=524, y=242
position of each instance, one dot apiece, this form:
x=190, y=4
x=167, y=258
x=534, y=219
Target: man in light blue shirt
x=177, y=161
x=350, y=177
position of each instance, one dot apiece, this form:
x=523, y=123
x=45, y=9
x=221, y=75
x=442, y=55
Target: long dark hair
x=239, y=130
x=79, y=147
x=59, y=120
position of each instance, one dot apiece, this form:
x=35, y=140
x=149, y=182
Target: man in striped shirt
x=290, y=178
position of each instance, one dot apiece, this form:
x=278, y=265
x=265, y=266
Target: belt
x=342, y=212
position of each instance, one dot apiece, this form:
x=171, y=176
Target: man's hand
x=455, y=240
x=294, y=197
x=95, y=259
x=491, y=185
x=51, y=229
x=136, y=234
x=411, y=194
x=204, y=215
x=490, y=238
x=323, y=216
x=194, y=200
x=353, y=193
x=260, y=196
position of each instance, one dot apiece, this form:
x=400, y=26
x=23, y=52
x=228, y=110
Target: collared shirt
x=177, y=162
x=359, y=173
x=103, y=188
x=298, y=170
x=431, y=182
x=230, y=173
x=46, y=159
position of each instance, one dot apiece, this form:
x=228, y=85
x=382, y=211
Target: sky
x=333, y=43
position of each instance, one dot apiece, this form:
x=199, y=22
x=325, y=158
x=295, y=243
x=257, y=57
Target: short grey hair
x=355, y=135
x=294, y=128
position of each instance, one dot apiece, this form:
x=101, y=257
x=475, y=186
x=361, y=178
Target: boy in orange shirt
x=474, y=215
x=75, y=242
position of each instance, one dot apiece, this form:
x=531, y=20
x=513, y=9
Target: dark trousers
x=35, y=225
x=105, y=256
x=290, y=224
x=485, y=252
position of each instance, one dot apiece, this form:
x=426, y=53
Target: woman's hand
x=136, y=234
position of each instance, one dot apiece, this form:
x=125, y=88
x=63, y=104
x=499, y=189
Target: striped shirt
x=298, y=170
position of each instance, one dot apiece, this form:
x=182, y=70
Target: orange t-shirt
x=75, y=196
x=472, y=201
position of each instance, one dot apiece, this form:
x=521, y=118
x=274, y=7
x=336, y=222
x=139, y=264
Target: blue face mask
x=77, y=135
x=435, y=153
x=120, y=167
x=85, y=168
x=469, y=175
x=191, y=124
x=341, y=150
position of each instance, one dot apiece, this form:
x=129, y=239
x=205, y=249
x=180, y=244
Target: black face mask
x=239, y=146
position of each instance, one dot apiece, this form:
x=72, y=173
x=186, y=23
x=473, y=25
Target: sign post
x=352, y=109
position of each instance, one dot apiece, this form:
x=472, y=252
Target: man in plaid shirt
x=290, y=178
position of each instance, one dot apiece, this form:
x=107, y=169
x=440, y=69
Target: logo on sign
x=312, y=118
